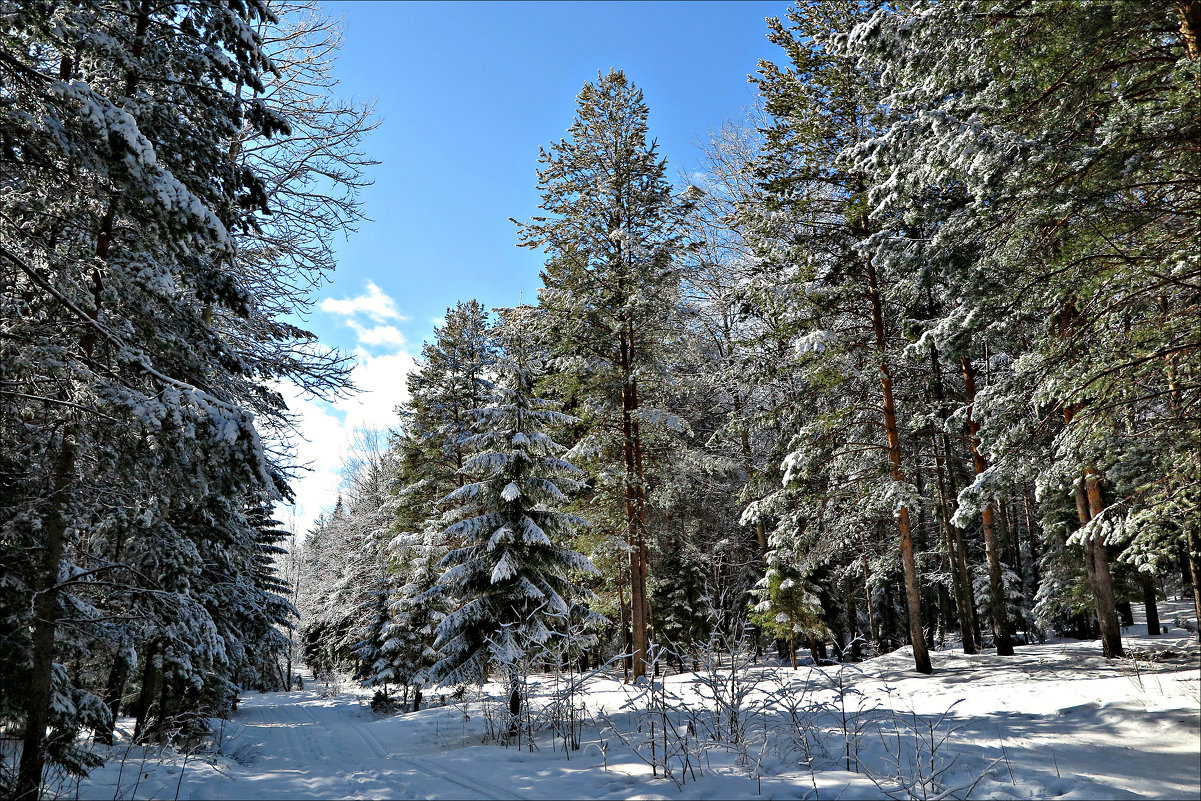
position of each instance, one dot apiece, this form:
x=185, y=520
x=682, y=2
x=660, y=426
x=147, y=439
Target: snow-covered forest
x=870, y=465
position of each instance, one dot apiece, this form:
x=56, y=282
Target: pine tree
x=613, y=234
x=1073, y=203
x=840, y=321
x=788, y=608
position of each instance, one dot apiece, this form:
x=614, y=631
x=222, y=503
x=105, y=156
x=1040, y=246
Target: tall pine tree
x=613, y=232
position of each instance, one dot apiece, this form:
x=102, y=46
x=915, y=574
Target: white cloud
x=381, y=380
x=375, y=304
x=326, y=432
x=321, y=443
x=377, y=334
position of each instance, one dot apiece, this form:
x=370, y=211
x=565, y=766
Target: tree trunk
x=626, y=642
x=1010, y=552
x=996, y=586
x=1125, y=613
x=514, y=707
x=965, y=574
x=813, y=650
x=965, y=596
x=45, y=611
x=1096, y=565
x=913, y=598
x=852, y=619
x=648, y=619
x=1194, y=568
x=288, y=688
x=1183, y=570
x=146, y=695
x=961, y=580
x=635, y=534
x=1090, y=565
x=118, y=674
x=1111, y=630
x=888, y=619
x=867, y=592
x=996, y=582
x=156, y=727
x=1189, y=12
x=1031, y=541
x=943, y=612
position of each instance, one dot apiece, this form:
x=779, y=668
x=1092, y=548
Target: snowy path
x=301, y=745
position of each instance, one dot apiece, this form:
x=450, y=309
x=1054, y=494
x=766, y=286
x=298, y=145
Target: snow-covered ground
x=1055, y=721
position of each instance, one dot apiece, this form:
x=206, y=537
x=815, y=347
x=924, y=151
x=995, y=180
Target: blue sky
x=467, y=93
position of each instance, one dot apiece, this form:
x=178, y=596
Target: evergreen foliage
x=614, y=233
x=140, y=337
x=514, y=581
x=918, y=359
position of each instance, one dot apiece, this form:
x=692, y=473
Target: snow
x=504, y=569
x=1055, y=721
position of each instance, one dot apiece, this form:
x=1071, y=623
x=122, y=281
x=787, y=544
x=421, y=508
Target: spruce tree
x=406, y=643
x=514, y=581
x=117, y=233
x=450, y=383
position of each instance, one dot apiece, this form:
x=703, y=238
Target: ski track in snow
x=462, y=780
x=440, y=773
x=300, y=745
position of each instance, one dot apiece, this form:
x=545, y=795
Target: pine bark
x=996, y=585
x=1194, y=567
x=1111, y=630
x=1096, y=566
x=635, y=535
x=1189, y=12
x=643, y=553
x=965, y=601
x=913, y=602
x=1150, y=605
